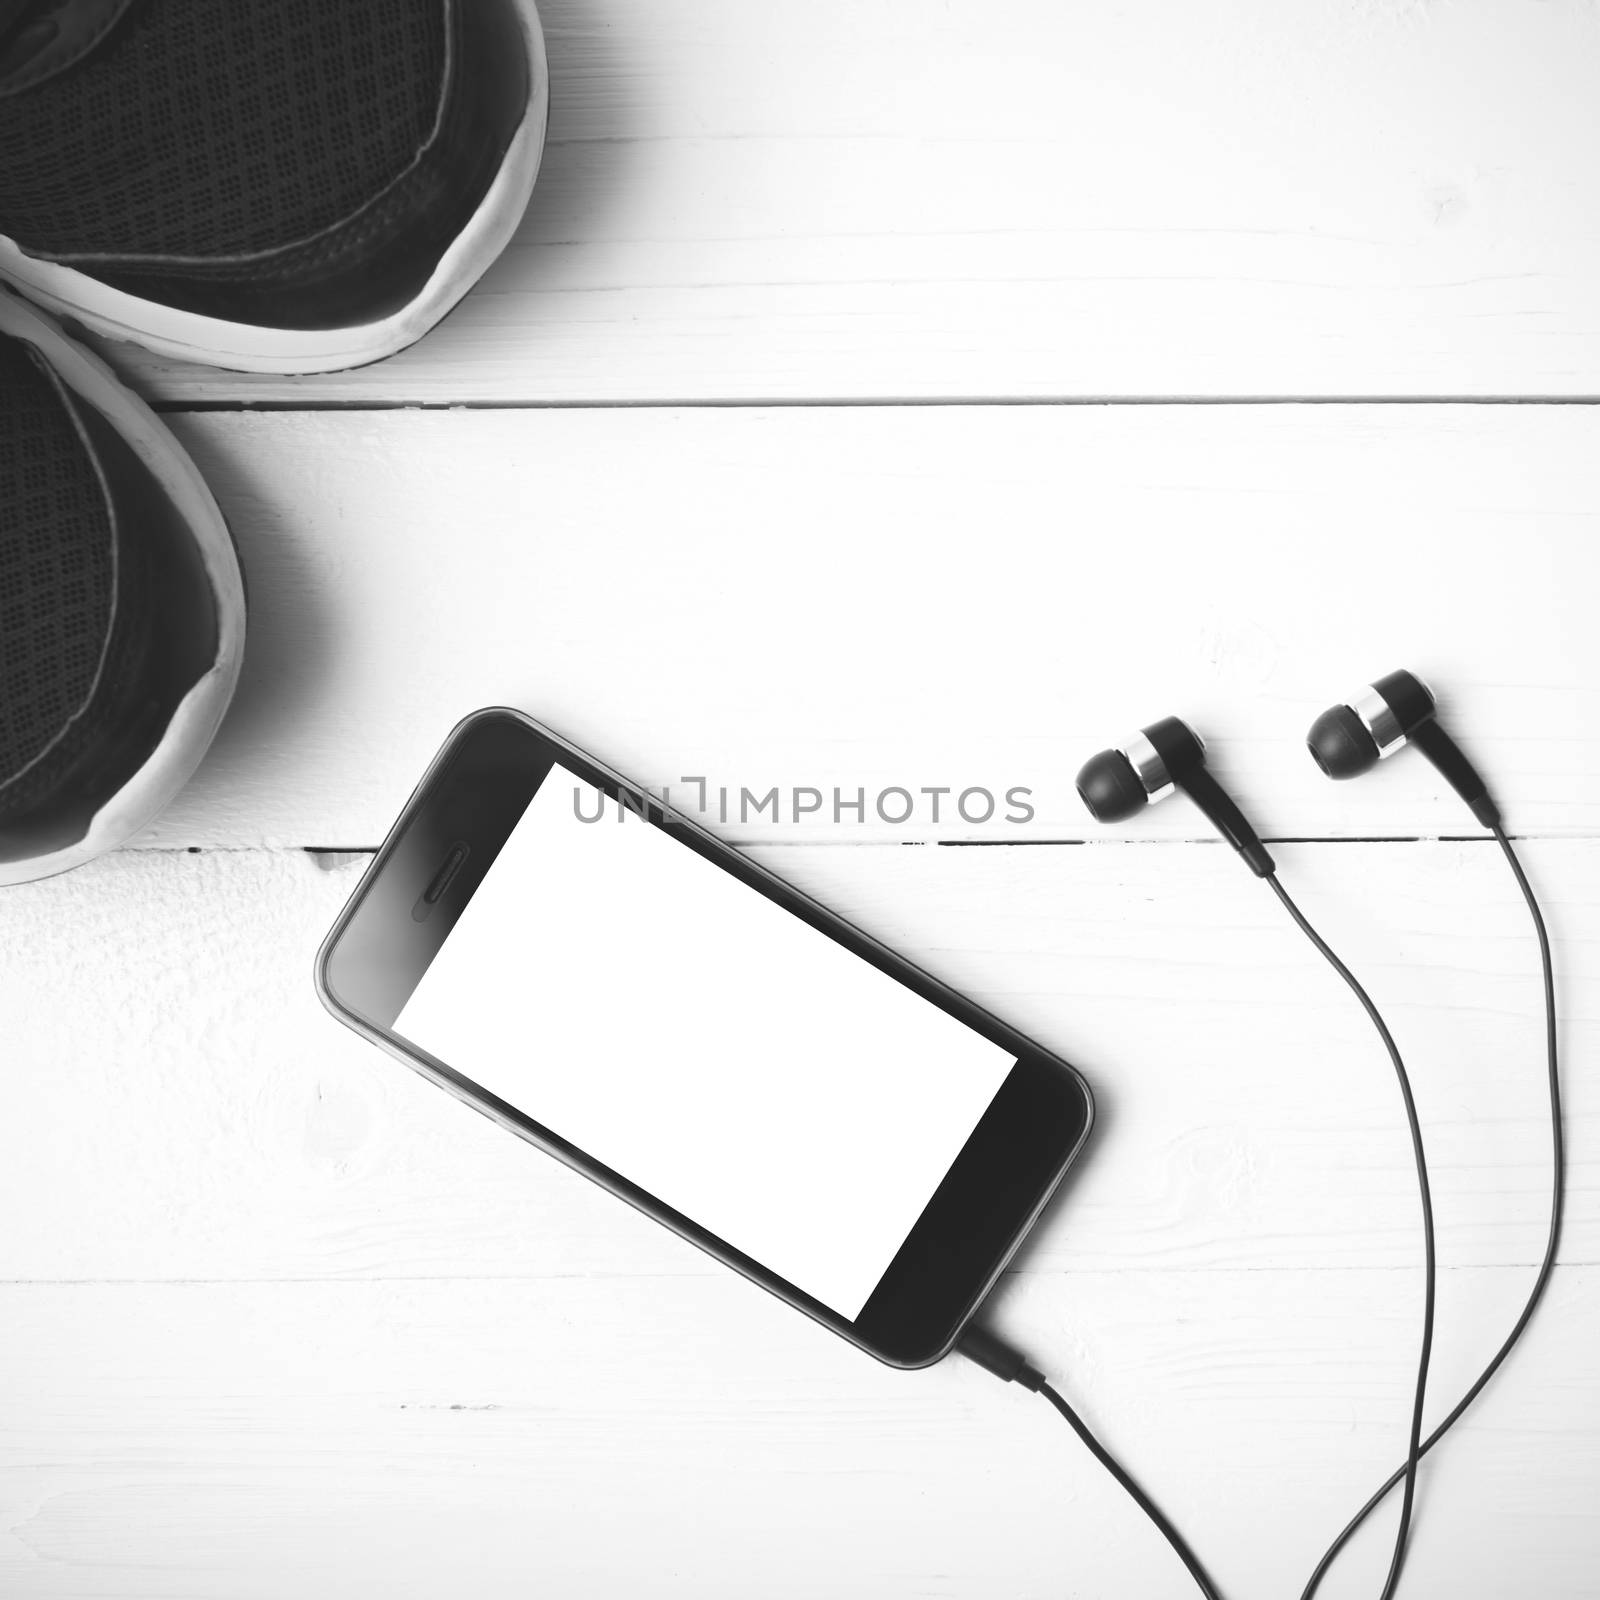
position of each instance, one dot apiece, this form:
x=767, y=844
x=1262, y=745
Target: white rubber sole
x=199, y=714
x=243, y=347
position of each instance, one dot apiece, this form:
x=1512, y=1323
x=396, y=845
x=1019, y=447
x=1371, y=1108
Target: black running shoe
x=266, y=185
x=121, y=605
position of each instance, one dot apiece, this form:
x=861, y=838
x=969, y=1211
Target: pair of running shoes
x=277, y=186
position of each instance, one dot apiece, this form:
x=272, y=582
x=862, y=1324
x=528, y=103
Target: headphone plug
x=996, y=1356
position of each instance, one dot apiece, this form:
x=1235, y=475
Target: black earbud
x=1165, y=756
x=1397, y=710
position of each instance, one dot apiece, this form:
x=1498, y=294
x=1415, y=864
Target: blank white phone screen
x=704, y=1043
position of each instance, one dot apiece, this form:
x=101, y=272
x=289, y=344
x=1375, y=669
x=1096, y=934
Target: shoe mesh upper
x=221, y=127
x=57, y=572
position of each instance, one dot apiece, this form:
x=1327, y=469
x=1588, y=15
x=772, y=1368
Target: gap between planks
x=349, y=850
x=718, y=1274
x=874, y=402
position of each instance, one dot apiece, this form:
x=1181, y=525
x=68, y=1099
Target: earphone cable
x=988, y=1351
x=999, y=1358
x=1415, y=1448
x=1008, y=1364
x=1125, y=1480
x=1552, y=1242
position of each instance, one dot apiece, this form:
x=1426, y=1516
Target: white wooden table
x=882, y=392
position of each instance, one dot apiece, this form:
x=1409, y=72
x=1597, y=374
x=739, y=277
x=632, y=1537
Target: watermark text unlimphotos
x=897, y=805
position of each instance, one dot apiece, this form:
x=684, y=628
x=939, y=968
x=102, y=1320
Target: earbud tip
x=1110, y=788
x=1341, y=745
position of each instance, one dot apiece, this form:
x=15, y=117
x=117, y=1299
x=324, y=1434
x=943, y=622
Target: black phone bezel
x=453, y=827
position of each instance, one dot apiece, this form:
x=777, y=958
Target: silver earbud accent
x=1146, y=761
x=1380, y=721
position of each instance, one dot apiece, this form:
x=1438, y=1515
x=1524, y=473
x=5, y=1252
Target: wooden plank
x=181, y=1107
x=1003, y=198
x=863, y=600
x=586, y=1437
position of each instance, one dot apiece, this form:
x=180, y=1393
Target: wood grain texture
x=1019, y=198
x=860, y=599
x=182, y=1108
x=280, y=1318
x=586, y=1437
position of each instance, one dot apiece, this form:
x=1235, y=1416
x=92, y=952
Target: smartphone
x=607, y=979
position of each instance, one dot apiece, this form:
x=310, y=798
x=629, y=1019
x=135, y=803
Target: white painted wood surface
x=860, y=598
x=281, y=1314
x=277, y=1317
x=997, y=198
x=1248, y=1118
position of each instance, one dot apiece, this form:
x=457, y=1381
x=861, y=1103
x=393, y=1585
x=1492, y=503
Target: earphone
x=1345, y=741
x=1397, y=710
x=1166, y=756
